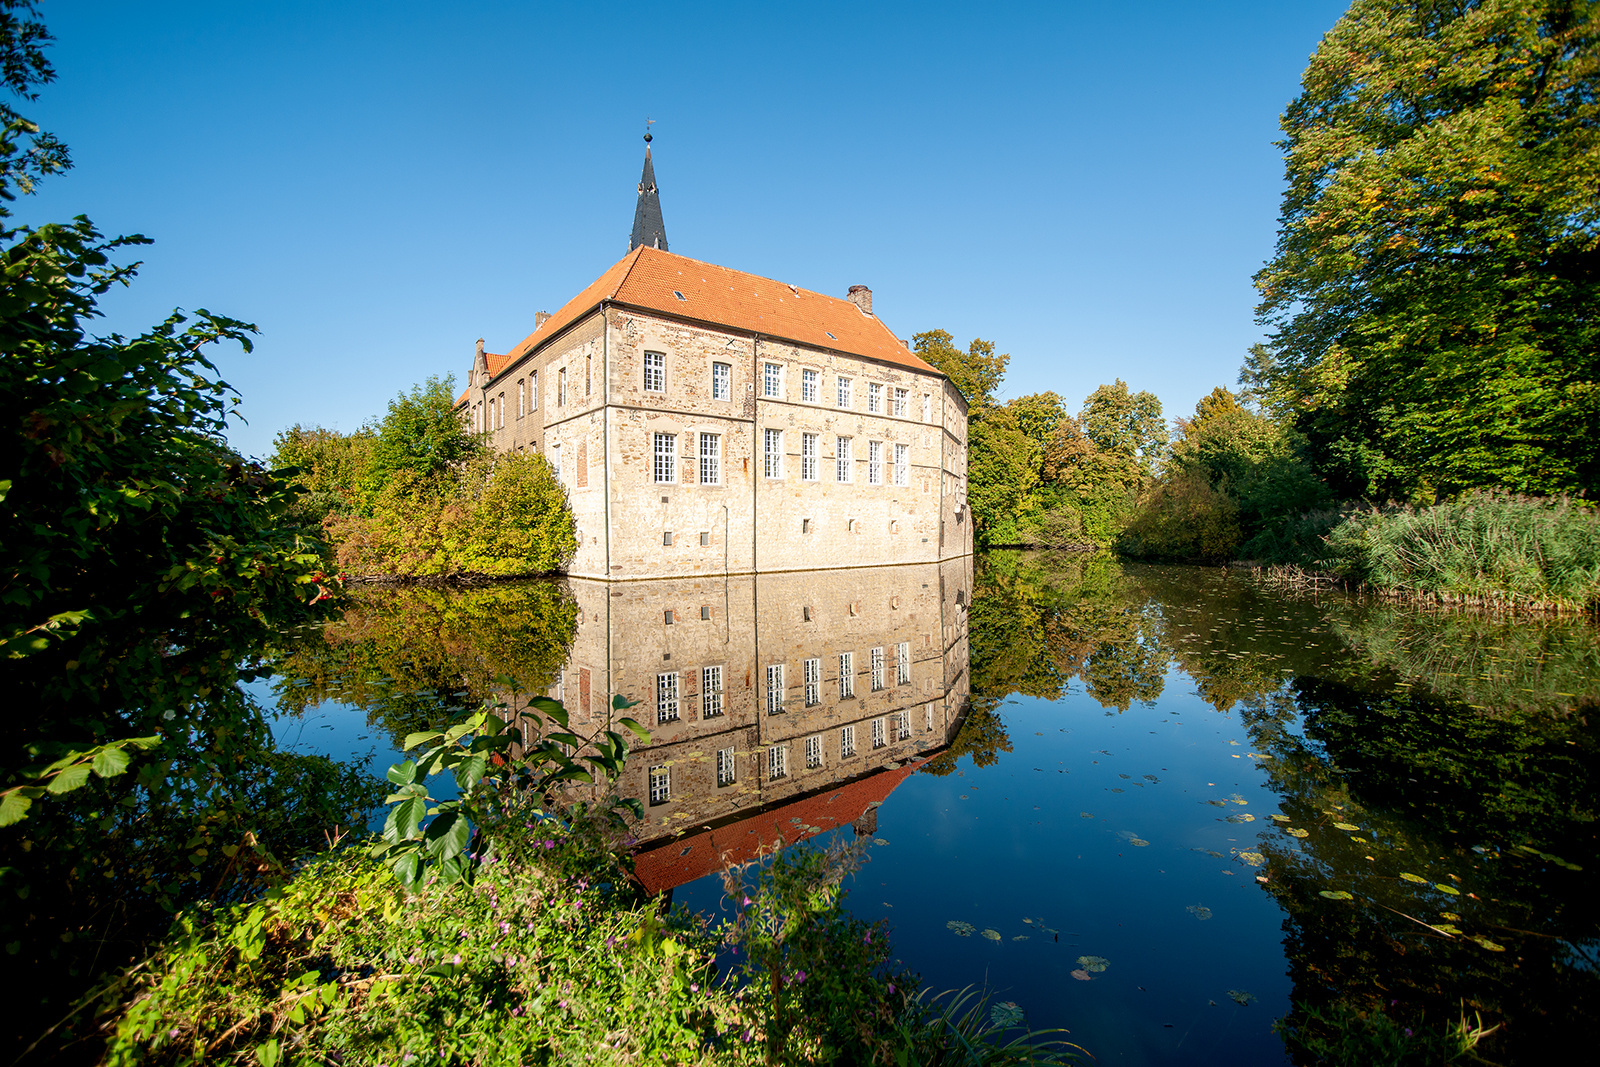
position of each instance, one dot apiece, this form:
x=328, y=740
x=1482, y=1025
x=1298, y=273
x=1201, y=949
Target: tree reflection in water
x=1437, y=767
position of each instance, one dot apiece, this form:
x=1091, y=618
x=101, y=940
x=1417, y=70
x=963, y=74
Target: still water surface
x=1176, y=804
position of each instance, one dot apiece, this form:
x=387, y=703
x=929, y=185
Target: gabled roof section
x=656, y=280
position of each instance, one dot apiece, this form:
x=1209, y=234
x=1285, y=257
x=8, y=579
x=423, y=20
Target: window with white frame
x=501, y=407
x=813, y=677
x=660, y=784
x=655, y=372
x=774, y=688
x=847, y=674
x=902, y=464
x=813, y=752
x=666, y=457
x=902, y=663
x=777, y=762
x=725, y=766
x=875, y=657
x=772, y=379
x=561, y=387
x=710, y=692
x=808, y=386
x=808, y=457
x=926, y=415
x=533, y=391
x=847, y=742
x=772, y=453
x=930, y=716
x=874, y=398
x=903, y=724
x=710, y=459
x=522, y=397
x=874, y=462
x=902, y=402
x=667, y=697
x=721, y=381
x=879, y=735
x=842, y=460
x=844, y=392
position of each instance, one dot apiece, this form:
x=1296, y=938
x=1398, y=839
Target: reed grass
x=1488, y=547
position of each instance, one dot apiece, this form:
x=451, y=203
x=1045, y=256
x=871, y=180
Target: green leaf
x=14, y=807
x=622, y=703
x=69, y=779
x=110, y=761
x=1336, y=894
x=408, y=816
x=408, y=869
x=470, y=772
x=447, y=835
x=420, y=738
x=403, y=773
x=638, y=731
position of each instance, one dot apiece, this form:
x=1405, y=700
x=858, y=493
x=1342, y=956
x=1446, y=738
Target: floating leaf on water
x=1278, y=816
x=1237, y=799
x=1095, y=964
x=1294, y=831
x=1241, y=997
x=1217, y=803
x=963, y=796
x=1452, y=916
x=1452, y=890
x=1345, y=826
x=1138, y=842
x=1490, y=945
x=1027, y=920
x=1242, y=816
x=961, y=929
x=1049, y=930
x=1360, y=840
x=1082, y=976
x=1199, y=911
x=1336, y=894
x=1085, y=815
x=1005, y=1015
x=1449, y=928
x=992, y=935
x=879, y=841
x=1021, y=937
x=1150, y=778
x=1118, y=790
x=1417, y=878
x=1254, y=859
x=1124, y=776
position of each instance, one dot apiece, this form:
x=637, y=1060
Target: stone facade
x=696, y=436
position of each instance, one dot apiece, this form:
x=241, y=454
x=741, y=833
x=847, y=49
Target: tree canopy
x=1433, y=292
x=976, y=372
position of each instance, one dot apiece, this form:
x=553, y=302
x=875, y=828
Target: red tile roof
x=681, y=860
x=651, y=279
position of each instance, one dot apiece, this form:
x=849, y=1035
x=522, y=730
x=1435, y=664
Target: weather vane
x=648, y=122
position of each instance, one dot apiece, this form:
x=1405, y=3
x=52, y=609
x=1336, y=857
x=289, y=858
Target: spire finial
x=648, y=122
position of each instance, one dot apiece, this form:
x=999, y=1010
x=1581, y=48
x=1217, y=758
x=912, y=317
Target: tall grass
x=1488, y=547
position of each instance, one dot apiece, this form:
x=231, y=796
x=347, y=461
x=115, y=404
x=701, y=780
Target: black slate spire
x=648, y=227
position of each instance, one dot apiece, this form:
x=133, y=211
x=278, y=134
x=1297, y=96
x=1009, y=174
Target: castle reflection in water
x=782, y=704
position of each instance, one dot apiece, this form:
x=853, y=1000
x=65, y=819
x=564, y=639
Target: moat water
x=1157, y=806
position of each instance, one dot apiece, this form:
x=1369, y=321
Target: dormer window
x=679, y=295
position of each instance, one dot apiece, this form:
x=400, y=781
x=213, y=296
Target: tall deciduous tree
x=1435, y=286
x=1127, y=425
x=976, y=372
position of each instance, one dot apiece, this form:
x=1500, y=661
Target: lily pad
x=1240, y=997
x=961, y=929
x=1336, y=894
x=1096, y=964
x=992, y=935
x=1417, y=878
x=1295, y=831
x=1449, y=928
x=1243, y=816
x=1490, y=945
x=1199, y=911
x=1279, y=816
x=1254, y=859
x=1345, y=826
x=1082, y=976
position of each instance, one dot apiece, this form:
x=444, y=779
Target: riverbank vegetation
x=417, y=494
x=1423, y=418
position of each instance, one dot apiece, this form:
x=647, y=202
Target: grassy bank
x=1492, y=549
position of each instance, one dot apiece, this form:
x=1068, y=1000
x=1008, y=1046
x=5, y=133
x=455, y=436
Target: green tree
x=1126, y=425
x=1002, y=469
x=422, y=435
x=1434, y=286
x=328, y=465
x=977, y=372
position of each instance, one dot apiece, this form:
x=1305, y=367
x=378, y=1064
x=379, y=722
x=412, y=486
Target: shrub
x=1183, y=518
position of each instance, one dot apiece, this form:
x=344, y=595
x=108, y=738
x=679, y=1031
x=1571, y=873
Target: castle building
x=708, y=421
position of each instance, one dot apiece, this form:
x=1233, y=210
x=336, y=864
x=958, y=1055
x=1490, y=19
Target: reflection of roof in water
x=680, y=860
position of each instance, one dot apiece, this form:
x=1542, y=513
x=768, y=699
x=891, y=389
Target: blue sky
x=1088, y=185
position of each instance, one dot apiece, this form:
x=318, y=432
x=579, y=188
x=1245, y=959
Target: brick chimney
x=861, y=297
x=539, y=319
